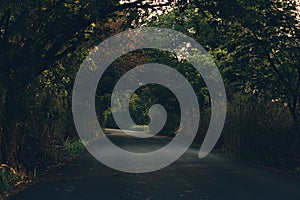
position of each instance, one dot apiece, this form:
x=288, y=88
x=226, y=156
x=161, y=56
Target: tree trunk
x=295, y=116
x=11, y=118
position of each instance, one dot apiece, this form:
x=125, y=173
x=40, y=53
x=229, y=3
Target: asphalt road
x=215, y=177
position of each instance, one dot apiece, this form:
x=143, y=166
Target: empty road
x=213, y=178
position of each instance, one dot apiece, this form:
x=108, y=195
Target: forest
x=255, y=44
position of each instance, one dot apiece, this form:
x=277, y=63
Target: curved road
x=215, y=177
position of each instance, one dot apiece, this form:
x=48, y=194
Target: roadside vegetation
x=256, y=46
x=11, y=177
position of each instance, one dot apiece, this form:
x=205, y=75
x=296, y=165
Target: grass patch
x=140, y=128
x=73, y=148
x=67, y=150
x=9, y=177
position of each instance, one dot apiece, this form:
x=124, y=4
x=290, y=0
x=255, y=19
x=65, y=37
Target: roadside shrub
x=260, y=132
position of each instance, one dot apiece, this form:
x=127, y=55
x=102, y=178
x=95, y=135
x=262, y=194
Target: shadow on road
x=215, y=177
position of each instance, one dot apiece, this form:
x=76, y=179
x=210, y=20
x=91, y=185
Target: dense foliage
x=42, y=44
x=256, y=46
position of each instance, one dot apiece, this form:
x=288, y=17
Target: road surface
x=215, y=177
